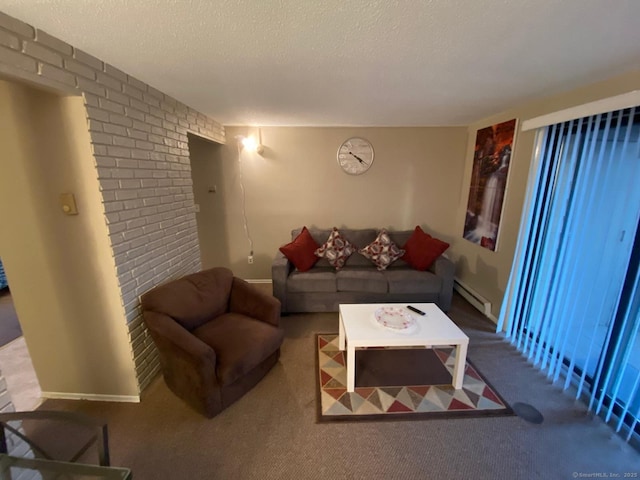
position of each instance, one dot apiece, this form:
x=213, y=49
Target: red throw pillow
x=422, y=249
x=300, y=252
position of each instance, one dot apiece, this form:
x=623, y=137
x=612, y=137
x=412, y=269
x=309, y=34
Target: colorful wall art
x=491, y=159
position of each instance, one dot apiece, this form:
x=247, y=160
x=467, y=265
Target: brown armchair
x=217, y=336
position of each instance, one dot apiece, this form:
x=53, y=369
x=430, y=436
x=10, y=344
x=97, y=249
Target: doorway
x=209, y=198
x=9, y=325
x=15, y=362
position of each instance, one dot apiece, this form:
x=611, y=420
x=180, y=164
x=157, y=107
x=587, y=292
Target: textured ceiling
x=350, y=62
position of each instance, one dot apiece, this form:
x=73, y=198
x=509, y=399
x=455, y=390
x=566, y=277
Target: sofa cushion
x=336, y=249
x=240, y=344
x=382, y=251
x=301, y=250
x=400, y=237
x=406, y=280
x=355, y=279
x=318, y=279
x=422, y=249
x=360, y=238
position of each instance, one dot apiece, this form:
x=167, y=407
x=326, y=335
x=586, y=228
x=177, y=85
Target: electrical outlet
x=250, y=259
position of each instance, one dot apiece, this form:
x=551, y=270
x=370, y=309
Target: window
x=571, y=305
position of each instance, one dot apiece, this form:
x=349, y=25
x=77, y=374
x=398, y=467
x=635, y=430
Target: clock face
x=355, y=155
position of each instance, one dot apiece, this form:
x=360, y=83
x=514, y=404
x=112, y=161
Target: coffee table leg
x=351, y=369
x=458, y=368
x=341, y=335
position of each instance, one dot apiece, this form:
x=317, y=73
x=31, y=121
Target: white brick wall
x=139, y=139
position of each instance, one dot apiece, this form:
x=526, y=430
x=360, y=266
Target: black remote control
x=414, y=309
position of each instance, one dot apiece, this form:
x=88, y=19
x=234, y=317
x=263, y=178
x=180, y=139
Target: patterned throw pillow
x=422, y=249
x=382, y=251
x=336, y=249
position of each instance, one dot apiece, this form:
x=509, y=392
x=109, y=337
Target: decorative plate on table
x=395, y=318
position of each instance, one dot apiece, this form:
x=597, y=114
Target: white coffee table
x=359, y=329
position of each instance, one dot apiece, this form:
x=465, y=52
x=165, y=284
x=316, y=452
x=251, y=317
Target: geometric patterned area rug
x=400, y=384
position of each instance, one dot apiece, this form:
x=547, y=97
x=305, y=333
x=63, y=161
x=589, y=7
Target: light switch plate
x=68, y=204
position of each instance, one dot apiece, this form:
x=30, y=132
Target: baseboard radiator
x=473, y=297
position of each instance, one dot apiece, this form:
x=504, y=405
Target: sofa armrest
x=280, y=269
x=175, y=340
x=446, y=270
x=250, y=301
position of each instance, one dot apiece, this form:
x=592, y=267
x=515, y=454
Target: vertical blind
x=572, y=303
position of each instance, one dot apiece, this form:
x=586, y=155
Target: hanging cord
x=244, y=201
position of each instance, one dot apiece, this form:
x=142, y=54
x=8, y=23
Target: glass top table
x=38, y=468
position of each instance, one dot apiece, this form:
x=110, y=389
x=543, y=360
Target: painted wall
x=75, y=329
x=138, y=139
x=485, y=271
x=416, y=178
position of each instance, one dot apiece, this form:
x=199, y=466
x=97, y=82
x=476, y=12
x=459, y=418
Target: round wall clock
x=355, y=155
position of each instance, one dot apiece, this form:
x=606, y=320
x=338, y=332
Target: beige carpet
x=272, y=433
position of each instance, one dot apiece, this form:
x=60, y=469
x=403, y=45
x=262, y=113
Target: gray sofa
x=322, y=288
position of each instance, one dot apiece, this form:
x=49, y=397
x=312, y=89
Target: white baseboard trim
x=258, y=280
x=92, y=397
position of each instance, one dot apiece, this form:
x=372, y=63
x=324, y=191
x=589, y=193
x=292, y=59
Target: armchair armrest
x=188, y=364
x=251, y=302
x=445, y=269
x=169, y=335
x=280, y=269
